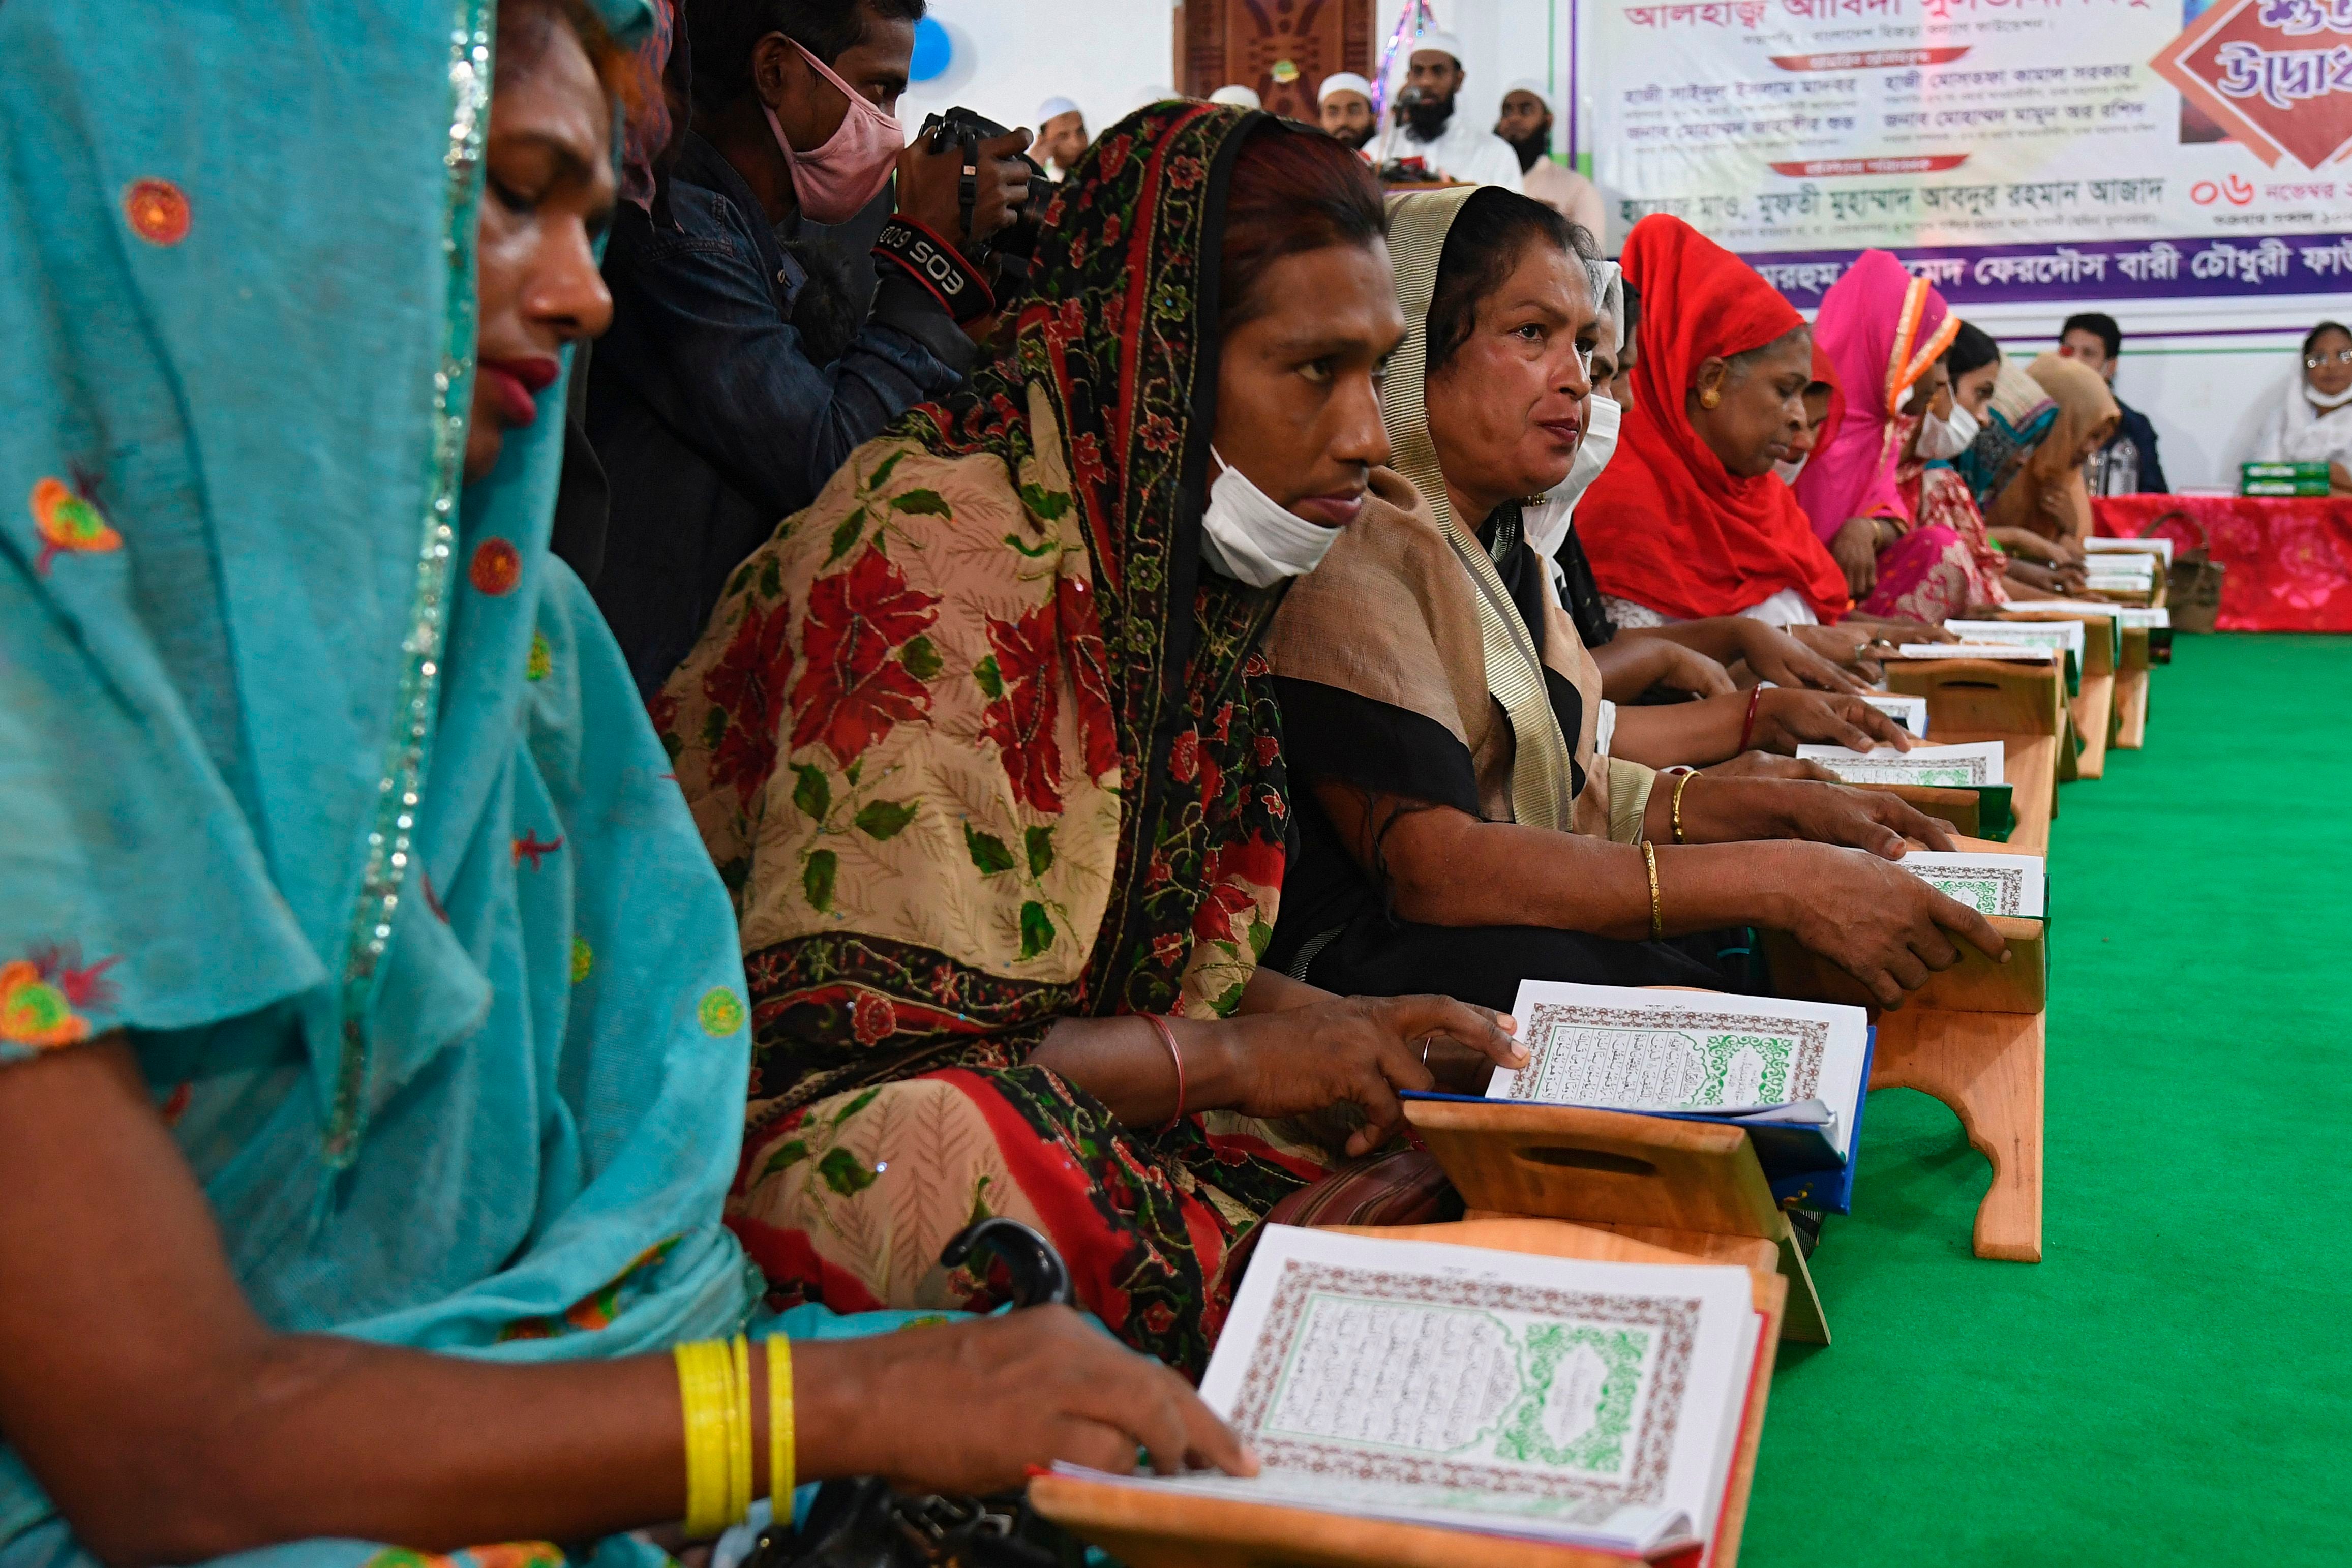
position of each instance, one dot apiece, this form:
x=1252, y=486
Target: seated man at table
x=2128, y=464
x=1427, y=126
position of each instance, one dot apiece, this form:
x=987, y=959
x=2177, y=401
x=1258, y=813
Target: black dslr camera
x=1016, y=242
x=985, y=273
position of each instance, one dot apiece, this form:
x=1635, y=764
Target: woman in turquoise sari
x=365, y=992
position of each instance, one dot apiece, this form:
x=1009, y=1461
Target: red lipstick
x=515, y=384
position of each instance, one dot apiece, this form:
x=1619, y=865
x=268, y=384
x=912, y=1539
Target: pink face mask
x=834, y=181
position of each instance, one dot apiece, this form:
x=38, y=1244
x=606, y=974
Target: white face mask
x=1248, y=535
x=1941, y=439
x=1547, y=522
x=1787, y=472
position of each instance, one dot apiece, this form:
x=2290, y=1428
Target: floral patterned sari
x=977, y=746
x=1945, y=564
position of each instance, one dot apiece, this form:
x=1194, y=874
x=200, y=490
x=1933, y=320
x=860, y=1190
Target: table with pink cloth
x=2289, y=559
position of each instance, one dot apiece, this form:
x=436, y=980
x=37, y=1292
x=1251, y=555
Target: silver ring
x=1424, y=1049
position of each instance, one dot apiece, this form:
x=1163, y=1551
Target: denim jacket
x=712, y=421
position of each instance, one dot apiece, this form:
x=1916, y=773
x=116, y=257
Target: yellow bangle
x=738, y=1452
x=782, y=1463
x=1657, y=919
x=704, y=1374
x=1681, y=784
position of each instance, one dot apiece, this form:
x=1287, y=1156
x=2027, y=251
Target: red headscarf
x=1882, y=328
x=1666, y=525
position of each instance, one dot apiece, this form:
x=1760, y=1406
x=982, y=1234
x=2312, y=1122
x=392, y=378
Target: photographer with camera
x=737, y=376
x=1449, y=146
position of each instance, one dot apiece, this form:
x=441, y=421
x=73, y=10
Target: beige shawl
x=1407, y=609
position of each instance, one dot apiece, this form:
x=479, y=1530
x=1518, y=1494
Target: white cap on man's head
x=1054, y=108
x=1343, y=82
x=1444, y=43
x=1238, y=96
x=1534, y=89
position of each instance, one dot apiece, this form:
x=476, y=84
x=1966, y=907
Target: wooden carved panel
x=1246, y=41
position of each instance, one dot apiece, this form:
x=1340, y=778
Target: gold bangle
x=1681, y=784
x=1657, y=918
x=782, y=1463
x=738, y=1452
x=703, y=1375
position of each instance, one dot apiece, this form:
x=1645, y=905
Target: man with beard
x=1526, y=124
x=1427, y=128
x=1061, y=137
x=1346, y=101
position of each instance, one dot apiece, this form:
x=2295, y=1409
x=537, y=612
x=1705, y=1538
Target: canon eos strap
x=937, y=266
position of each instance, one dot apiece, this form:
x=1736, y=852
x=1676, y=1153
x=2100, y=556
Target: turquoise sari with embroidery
x=319, y=776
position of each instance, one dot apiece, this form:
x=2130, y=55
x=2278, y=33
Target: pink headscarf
x=1882, y=328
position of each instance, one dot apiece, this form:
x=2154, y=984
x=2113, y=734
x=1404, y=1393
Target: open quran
x=2066, y=635
x=1592, y=1403
x=1949, y=767
x=1751, y=1059
x=2157, y=546
x=2014, y=652
x=1911, y=712
x=2119, y=572
x=1989, y=884
x=2064, y=638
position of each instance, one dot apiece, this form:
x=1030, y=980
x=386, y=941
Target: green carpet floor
x=2173, y=1383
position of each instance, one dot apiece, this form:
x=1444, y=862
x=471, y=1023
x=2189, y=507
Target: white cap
x=1535, y=89
x=1343, y=82
x=1055, y=107
x=1444, y=43
x=1235, y=94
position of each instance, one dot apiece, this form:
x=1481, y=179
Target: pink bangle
x=1168, y=1039
x=1749, y=729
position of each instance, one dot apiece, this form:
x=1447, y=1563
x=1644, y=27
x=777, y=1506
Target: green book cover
x=2283, y=479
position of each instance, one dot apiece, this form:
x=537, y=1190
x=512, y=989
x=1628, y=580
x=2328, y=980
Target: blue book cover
x=1804, y=1170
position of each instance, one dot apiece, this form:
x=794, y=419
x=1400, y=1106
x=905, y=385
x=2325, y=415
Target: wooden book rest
x=2131, y=690
x=2022, y=705
x=1973, y=1038
x=2093, y=706
x=1693, y=1187
x=1163, y=1530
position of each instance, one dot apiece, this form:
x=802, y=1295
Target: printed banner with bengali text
x=2097, y=270
x=2012, y=149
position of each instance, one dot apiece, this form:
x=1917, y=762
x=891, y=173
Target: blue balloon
x=934, y=52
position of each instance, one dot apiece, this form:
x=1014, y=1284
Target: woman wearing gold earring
x=1687, y=528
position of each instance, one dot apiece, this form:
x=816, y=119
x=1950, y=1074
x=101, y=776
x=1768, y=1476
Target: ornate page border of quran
x=2009, y=897
x=1654, y=1411
x=1811, y=1034
x=1954, y=766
